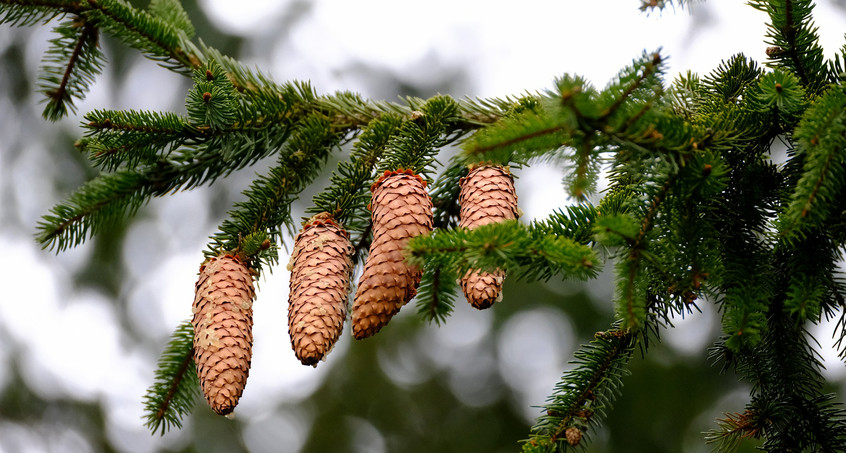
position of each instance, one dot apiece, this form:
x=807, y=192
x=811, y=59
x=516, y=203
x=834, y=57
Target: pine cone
x=401, y=209
x=573, y=435
x=320, y=266
x=223, y=330
x=487, y=196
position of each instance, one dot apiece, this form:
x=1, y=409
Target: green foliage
x=820, y=139
x=347, y=197
x=161, y=37
x=268, y=204
x=445, y=192
x=70, y=65
x=30, y=12
x=127, y=138
x=211, y=102
x=525, y=252
x=171, y=12
x=436, y=295
x=584, y=394
x=696, y=211
x=794, y=41
x=176, y=388
x=418, y=141
x=781, y=92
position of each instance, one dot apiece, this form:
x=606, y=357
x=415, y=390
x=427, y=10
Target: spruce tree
x=697, y=211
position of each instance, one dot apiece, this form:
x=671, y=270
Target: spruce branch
x=794, y=41
x=789, y=375
x=155, y=37
x=445, y=192
x=128, y=138
x=821, y=137
x=176, y=387
x=436, y=294
x=346, y=198
x=732, y=430
x=631, y=233
x=213, y=152
x=417, y=143
x=172, y=13
x=23, y=13
x=268, y=203
x=574, y=115
x=73, y=60
x=522, y=251
x=111, y=196
x=696, y=204
x=70, y=65
x=640, y=81
x=584, y=394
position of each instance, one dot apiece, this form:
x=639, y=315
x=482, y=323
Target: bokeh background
x=80, y=332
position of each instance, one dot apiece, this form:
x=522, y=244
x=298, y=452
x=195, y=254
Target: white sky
x=506, y=47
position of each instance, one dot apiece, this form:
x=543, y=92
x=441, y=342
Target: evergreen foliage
x=176, y=389
x=697, y=210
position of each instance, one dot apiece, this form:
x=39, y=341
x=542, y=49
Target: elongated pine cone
x=321, y=267
x=223, y=330
x=487, y=195
x=401, y=209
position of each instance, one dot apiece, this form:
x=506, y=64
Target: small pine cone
x=401, y=209
x=487, y=195
x=223, y=330
x=320, y=266
x=573, y=435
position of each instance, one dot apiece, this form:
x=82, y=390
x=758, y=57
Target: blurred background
x=80, y=332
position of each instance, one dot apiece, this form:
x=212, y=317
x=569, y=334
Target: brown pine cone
x=321, y=267
x=223, y=330
x=401, y=209
x=487, y=196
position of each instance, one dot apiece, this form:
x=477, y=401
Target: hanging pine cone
x=487, y=196
x=401, y=209
x=320, y=267
x=223, y=330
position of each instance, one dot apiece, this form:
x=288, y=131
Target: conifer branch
x=735, y=428
x=624, y=230
x=794, y=40
x=790, y=376
x=523, y=251
x=111, y=196
x=60, y=95
x=71, y=63
x=436, y=294
x=821, y=137
x=649, y=69
x=268, y=204
x=29, y=12
x=142, y=31
x=692, y=208
x=346, y=198
x=125, y=139
x=444, y=193
x=415, y=146
x=176, y=387
x=584, y=394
